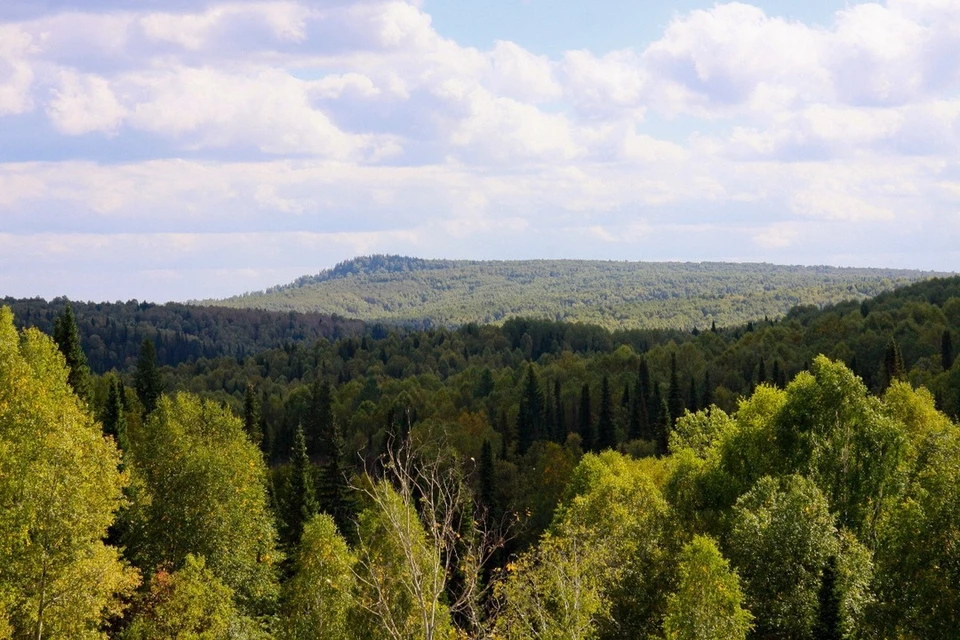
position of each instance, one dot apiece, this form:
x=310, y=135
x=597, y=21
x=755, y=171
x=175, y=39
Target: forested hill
x=111, y=333
x=615, y=295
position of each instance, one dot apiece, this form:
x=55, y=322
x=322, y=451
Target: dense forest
x=795, y=477
x=615, y=295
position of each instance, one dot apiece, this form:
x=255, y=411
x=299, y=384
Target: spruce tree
x=646, y=395
x=661, y=422
x=585, y=419
x=559, y=415
x=67, y=337
x=301, y=502
x=946, y=350
x=320, y=417
x=114, y=420
x=334, y=494
x=530, y=418
x=827, y=626
x=251, y=415
x=147, y=379
x=761, y=372
x=606, y=434
x=638, y=410
x=707, y=391
x=487, y=477
x=675, y=397
x=777, y=373
x=893, y=367
x=694, y=396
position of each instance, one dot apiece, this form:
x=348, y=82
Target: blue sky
x=175, y=149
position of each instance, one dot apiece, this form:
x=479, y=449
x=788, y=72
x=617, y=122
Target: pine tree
x=606, y=434
x=301, y=501
x=114, y=420
x=893, y=367
x=559, y=415
x=638, y=412
x=486, y=477
x=67, y=337
x=530, y=418
x=147, y=379
x=251, y=415
x=675, y=397
x=777, y=373
x=946, y=350
x=585, y=419
x=761, y=372
x=694, y=396
x=661, y=422
x=827, y=626
x=334, y=494
x=713, y=326
x=707, y=391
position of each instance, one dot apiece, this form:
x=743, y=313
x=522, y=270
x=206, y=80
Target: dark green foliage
x=67, y=337
x=707, y=401
x=301, y=502
x=559, y=414
x=147, y=380
x=319, y=420
x=251, y=415
x=113, y=418
x=334, y=491
x=675, y=403
x=946, y=350
x=661, y=422
x=585, y=420
x=486, y=478
x=606, y=435
x=827, y=626
x=531, y=415
x=893, y=365
x=693, y=402
x=761, y=371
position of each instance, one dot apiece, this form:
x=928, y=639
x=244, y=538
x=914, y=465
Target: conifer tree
x=530, y=418
x=251, y=415
x=647, y=396
x=67, y=337
x=827, y=626
x=114, y=421
x=320, y=418
x=946, y=350
x=301, y=501
x=707, y=391
x=638, y=427
x=559, y=415
x=486, y=477
x=334, y=491
x=893, y=366
x=775, y=376
x=761, y=372
x=675, y=397
x=606, y=435
x=694, y=396
x=661, y=422
x=585, y=419
x=147, y=379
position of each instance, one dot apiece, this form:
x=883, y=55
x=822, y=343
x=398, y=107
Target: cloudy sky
x=176, y=149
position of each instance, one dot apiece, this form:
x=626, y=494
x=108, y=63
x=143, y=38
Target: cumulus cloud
x=316, y=130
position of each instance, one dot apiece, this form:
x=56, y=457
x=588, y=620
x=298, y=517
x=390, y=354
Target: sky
x=187, y=149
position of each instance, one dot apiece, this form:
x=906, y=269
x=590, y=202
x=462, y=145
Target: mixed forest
x=614, y=295
x=790, y=477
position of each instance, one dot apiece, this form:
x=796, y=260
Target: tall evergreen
x=827, y=625
x=761, y=372
x=775, y=376
x=946, y=350
x=675, y=395
x=585, y=420
x=530, y=418
x=67, y=337
x=251, y=415
x=487, y=478
x=559, y=415
x=639, y=425
x=893, y=367
x=301, y=502
x=661, y=422
x=334, y=493
x=606, y=434
x=147, y=379
x=647, y=391
x=694, y=396
x=114, y=420
x=320, y=417
x=707, y=401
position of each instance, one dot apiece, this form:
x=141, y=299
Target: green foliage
x=301, y=500
x=700, y=431
x=200, y=488
x=318, y=600
x=67, y=337
x=147, y=379
x=189, y=604
x=708, y=603
x=615, y=295
x=59, y=491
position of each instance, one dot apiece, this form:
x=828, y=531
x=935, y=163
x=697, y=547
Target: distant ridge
x=616, y=295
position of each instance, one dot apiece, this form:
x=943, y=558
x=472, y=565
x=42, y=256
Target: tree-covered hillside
x=615, y=295
x=537, y=479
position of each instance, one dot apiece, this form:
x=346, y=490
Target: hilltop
x=615, y=295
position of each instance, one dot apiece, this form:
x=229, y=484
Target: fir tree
x=663, y=423
x=827, y=626
x=761, y=372
x=675, y=397
x=638, y=412
x=67, y=337
x=893, y=367
x=606, y=434
x=334, y=493
x=301, y=502
x=777, y=373
x=707, y=391
x=251, y=415
x=560, y=419
x=585, y=419
x=487, y=477
x=530, y=417
x=114, y=420
x=320, y=418
x=147, y=379
x=694, y=396
x=946, y=350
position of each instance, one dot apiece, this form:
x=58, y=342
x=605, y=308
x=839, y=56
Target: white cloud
x=84, y=104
